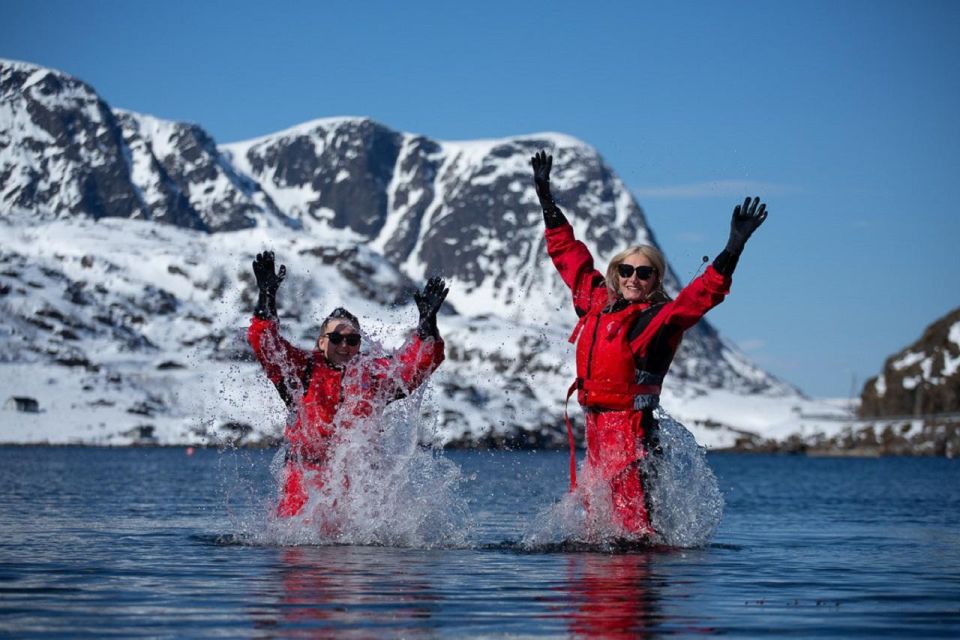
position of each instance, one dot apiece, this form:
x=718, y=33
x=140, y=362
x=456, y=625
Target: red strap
x=587, y=385
x=573, y=450
x=577, y=329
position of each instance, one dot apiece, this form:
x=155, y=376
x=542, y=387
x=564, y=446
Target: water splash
x=373, y=492
x=685, y=500
x=378, y=485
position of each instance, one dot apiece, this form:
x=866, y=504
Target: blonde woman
x=627, y=335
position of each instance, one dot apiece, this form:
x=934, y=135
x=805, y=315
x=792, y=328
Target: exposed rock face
x=184, y=179
x=922, y=379
x=61, y=148
x=64, y=152
x=343, y=166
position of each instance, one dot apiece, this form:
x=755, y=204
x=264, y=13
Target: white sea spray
x=684, y=497
x=379, y=485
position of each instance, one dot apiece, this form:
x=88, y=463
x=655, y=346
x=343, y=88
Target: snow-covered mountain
x=922, y=378
x=125, y=281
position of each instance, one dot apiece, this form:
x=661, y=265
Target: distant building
x=142, y=435
x=22, y=403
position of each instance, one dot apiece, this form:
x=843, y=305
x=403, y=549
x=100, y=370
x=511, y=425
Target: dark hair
x=340, y=314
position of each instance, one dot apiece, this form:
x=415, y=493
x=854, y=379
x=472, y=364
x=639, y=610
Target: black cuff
x=552, y=216
x=266, y=308
x=726, y=261
x=428, y=328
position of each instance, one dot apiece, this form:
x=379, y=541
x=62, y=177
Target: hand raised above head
x=746, y=219
x=429, y=302
x=268, y=279
x=431, y=298
x=542, y=164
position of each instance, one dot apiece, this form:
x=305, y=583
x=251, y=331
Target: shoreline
x=809, y=452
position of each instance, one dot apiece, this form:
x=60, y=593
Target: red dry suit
x=623, y=353
x=311, y=426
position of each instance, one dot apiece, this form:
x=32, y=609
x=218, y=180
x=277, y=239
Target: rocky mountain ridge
x=911, y=408
x=921, y=379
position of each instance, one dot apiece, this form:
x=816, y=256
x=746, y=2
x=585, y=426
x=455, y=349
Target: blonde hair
x=656, y=259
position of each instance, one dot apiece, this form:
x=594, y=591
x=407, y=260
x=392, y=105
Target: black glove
x=268, y=281
x=552, y=216
x=428, y=303
x=746, y=219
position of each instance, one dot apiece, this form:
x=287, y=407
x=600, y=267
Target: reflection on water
x=334, y=587
x=610, y=596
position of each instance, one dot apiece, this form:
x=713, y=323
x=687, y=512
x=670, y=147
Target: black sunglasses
x=352, y=339
x=643, y=272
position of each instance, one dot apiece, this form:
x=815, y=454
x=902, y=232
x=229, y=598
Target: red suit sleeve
x=410, y=366
x=575, y=265
x=280, y=359
x=690, y=305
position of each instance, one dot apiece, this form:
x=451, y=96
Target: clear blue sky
x=844, y=116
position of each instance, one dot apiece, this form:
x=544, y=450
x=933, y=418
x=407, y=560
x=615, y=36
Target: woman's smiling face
x=634, y=288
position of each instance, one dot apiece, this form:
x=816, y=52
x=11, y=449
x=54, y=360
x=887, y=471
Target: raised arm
x=746, y=219
x=422, y=353
x=570, y=256
x=268, y=281
x=283, y=362
x=709, y=290
x=429, y=302
x=542, y=164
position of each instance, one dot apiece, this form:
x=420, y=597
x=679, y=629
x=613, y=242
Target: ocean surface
x=158, y=543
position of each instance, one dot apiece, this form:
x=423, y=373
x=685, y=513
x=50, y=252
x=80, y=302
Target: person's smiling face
x=635, y=288
x=334, y=342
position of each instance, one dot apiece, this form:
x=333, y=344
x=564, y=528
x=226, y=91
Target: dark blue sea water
x=150, y=542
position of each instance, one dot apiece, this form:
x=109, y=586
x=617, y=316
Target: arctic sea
x=155, y=543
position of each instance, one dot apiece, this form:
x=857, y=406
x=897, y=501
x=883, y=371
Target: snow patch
x=881, y=385
x=907, y=360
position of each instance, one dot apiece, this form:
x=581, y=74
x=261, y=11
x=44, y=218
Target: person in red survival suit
x=628, y=332
x=323, y=388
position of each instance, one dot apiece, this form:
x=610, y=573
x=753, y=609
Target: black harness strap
x=658, y=353
x=284, y=390
x=642, y=321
